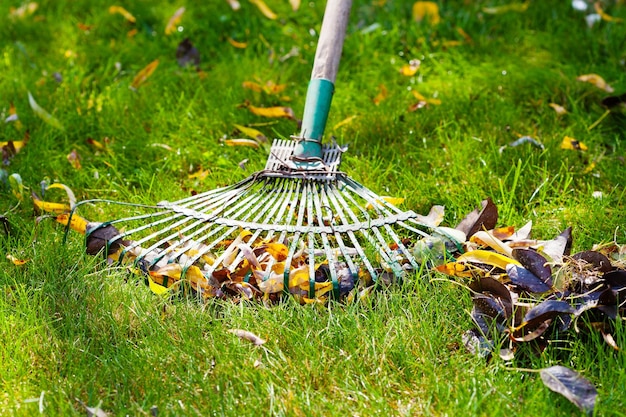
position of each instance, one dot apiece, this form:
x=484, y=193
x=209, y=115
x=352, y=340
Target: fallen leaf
x=234, y=4
x=17, y=186
x=74, y=159
x=410, y=69
x=512, y=7
x=200, y=174
x=295, y=5
x=120, y=10
x=76, y=223
x=144, y=74
x=391, y=200
x=187, y=54
x=174, y=21
x=488, y=258
x=597, y=81
x=251, y=133
x=21, y=12
x=50, y=207
x=573, y=144
x=382, y=94
x=426, y=10
x=249, y=336
x=560, y=110
x=242, y=142
x=16, y=261
x=277, y=111
x=43, y=114
x=237, y=44
x=344, y=122
x=598, y=8
x=570, y=384
x=267, y=12
x=486, y=218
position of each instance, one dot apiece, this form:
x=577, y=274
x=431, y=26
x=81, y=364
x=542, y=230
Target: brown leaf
x=484, y=219
x=144, y=74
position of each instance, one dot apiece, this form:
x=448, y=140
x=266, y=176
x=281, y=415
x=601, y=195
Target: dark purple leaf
x=98, y=235
x=526, y=280
x=493, y=297
x=596, y=259
x=570, y=384
x=486, y=218
x=548, y=309
x=187, y=54
x=535, y=263
x=613, y=101
x=616, y=279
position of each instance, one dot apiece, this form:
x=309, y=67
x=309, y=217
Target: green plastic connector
x=316, y=109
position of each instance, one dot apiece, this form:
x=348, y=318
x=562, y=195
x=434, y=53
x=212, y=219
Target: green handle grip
x=317, y=106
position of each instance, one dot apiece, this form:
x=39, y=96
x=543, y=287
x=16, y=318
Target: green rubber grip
x=316, y=109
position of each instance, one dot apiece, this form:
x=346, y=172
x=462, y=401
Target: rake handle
x=322, y=84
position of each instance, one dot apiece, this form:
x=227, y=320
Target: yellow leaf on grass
x=410, y=69
x=76, y=223
x=43, y=114
x=242, y=142
x=344, y=122
x=560, y=110
x=174, y=21
x=457, y=269
x=488, y=258
x=157, y=288
x=70, y=194
x=277, y=111
x=201, y=174
x=420, y=97
x=295, y=5
x=277, y=250
x=597, y=81
x=573, y=144
x=74, y=159
x=251, y=133
x=598, y=7
x=120, y=10
x=16, y=261
x=144, y=74
x=391, y=200
x=237, y=44
x=382, y=94
x=512, y=7
x=426, y=10
x=267, y=12
x=49, y=207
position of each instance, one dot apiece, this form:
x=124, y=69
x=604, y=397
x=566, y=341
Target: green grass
x=71, y=329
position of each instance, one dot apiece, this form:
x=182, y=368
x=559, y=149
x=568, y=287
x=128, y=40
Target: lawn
x=106, y=101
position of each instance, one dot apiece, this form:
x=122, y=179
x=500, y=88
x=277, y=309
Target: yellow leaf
x=157, y=288
x=464, y=34
x=132, y=33
x=242, y=142
x=322, y=288
x=77, y=223
x=512, y=7
x=277, y=250
x=17, y=145
x=560, y=110
x=589, y=168
x=382, y=94
x=48, y=207
x=573, y=144
x=273, y=284
x=426, y=10
x=597, y=81
x=43, y=114
x=123, y=12
x=144, y=74
x=251, y=133
x=598, y=7
x=267, y=12
x=74, y=159
x=299, y=278
x=23, y=11
x=391, y=200
x=278, y=111
x=16, y=261
x=410, y=69
x=201, y=174
x=237, y=44
x=295, y=5
x=458, y=269
x=486, y=238
x=487, y=257
x=174, y=21
x=423, y=99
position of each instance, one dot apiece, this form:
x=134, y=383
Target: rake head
x=281, y=230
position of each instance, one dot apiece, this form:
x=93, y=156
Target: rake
x=321, y=228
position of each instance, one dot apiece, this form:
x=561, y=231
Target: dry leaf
x=295, y=5
x=596, y=80
x=512, y=7
x=345, y=121
x=267, y=12
x=242, y=142
x=249, y=336
x=426, y=10
x=396, y=201
x=237, y=44
x=144, y=74
x=560, y=110
x=382, y=94
x=123, y=12
x=278, y=111
x=201, y=174
x=573, y=144
x=23, y=11
x=74, y=159
x=76, y=223
x=234, y=4
x=251, y=133
x=174, y=21
x=410, y=69
x=16, y=261
x=598, y=7
x=187, y=54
